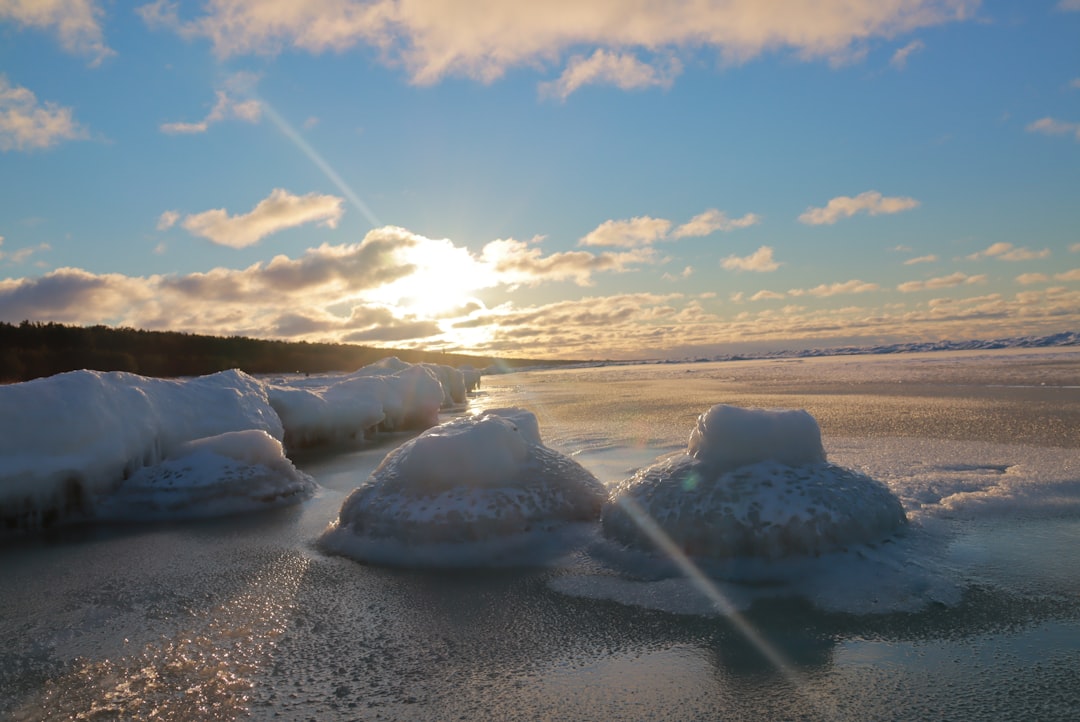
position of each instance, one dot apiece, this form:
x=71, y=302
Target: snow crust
x=476, y=490
x=752, y=483
x=89, y=444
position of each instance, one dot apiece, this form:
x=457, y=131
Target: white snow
x=85, y=444
x=753, y=483
x=476, y=490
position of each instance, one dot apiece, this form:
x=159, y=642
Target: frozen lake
x=974, y=613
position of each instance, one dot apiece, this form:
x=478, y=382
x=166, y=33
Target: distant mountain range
x=1066, y=338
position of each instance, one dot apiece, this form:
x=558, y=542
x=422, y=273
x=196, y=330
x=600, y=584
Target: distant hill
x=32, y=350
x=1066, y=338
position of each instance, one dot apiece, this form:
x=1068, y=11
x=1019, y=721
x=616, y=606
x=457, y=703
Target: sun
x=442, y=284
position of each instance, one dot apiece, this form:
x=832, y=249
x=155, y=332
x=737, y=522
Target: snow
x=88, y=444
x=752, y=483
x=476, y=490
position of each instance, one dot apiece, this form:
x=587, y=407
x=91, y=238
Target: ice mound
x=234, y=472
x=752, y=483
x=476, y=490
x=68, y=440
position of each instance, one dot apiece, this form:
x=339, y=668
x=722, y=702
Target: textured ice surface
x=475, y=490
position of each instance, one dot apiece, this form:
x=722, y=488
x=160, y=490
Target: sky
x=615, y=179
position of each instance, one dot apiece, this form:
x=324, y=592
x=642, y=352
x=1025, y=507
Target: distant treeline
x=32, y=350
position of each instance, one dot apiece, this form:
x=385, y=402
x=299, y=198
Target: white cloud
x=645, y=230
x=482, y=39
x=870, y=202
x=766, y=295
x=26, y=124
x=623, y=70
x=760, y=260
x=638, y=231
x=1073, y=275
x=836, y=289
x=1067, y=5
x=1052, y=126
x=1029, y=278
x=713, y=220
x=1008, y=252
x=167, y=220
x=900, y=57
x=518, y=263
x=921, y=259
x=226, y=108
x=950, y=281
x=1075, y=248
x=686, y=273
x=23, y=254
x=280, y=210
x=75, y=22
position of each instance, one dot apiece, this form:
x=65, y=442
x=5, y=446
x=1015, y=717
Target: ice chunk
x=753, y=483
x=234, y=472
x=68, y=440
x=475, y=490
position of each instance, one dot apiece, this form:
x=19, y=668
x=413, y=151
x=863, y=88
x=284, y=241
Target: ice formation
x=752, y=483
x=88, y=444
x=475, y=490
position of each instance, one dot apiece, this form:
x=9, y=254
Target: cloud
x=685, y=273
x=482, y=39
x=836, y=289
x=766, y=296
x=645, y=230
x=69, y=295
x=713, y=220
x=1069, y=5
x=870, y=202
x=1075, y=248
x=1051, y=126
x=75, y=22
x=1073, y=275
x=1029, y=278
x=638, y=231
x=227, y=107
x=275, y=213
x=900, y=57
x=1007, y=252
x=22, y=254
x=516, y=263
x=950, y=281
x=167, y=220
x=623, y=70
x=921, y=259
x=760, y=260
x=26, y=124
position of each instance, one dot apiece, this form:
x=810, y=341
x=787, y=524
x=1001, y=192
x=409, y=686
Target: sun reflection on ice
x=204, y=672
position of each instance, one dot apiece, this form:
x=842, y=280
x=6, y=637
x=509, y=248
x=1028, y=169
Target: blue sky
x=544, y=179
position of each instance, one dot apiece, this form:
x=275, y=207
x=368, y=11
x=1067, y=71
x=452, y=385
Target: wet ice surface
x=249, y=617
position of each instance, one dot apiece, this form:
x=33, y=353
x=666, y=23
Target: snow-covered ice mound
x=476, y=490
x=752, y=483
x=234, y=472
x=68, y=441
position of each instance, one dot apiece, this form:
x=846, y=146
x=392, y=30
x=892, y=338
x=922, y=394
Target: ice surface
x=476, y=490
x=69, y=443
x=753, y=483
